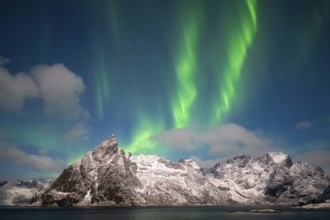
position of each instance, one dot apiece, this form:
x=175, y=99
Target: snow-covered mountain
x=19, y=192
x=272, y=178
x=107, y=176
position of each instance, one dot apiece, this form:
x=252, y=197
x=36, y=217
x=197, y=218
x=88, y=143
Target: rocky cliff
x=325, y=195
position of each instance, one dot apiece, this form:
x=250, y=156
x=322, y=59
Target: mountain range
x=108, y=176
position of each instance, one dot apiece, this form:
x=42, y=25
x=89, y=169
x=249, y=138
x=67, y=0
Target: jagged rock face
x=305, y=183
x=272, y=178
x=325, y=195
x=279, y=182
x=107, y=176
x=101, y=177
x=167, y=183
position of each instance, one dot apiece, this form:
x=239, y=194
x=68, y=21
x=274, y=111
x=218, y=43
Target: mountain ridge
x=107, y=176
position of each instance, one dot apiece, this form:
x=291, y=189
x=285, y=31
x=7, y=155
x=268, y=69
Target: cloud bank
x=15, y=90
x=77, y=132
x=60, y=90
x=316, y=158
x=222, y=141
x=58, y=87
x=36, y=162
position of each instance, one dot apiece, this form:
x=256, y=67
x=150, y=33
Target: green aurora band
x=185, y=98
x=185, y=68
x=237, y=34
x=240, y=39
x=141, y=141
x=102, y=86
x=102, y=54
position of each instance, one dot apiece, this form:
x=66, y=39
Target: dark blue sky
x=201, y=79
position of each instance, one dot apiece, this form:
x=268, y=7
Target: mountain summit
x=107, y=176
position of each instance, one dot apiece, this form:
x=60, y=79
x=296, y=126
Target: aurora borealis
x=202, y=79
x=185, y=68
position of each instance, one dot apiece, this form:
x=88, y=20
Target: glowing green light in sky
x=42, y=137
x=141, y=139
x=185, y=68
x=104, y=43
x=102, y=86
x=113, y=19
x=185, y=96
x=240, y=39
x=75, y=158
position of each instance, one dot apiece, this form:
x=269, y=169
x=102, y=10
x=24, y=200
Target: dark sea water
x=220, y=212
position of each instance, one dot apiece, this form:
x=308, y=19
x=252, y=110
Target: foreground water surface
x=219, y=212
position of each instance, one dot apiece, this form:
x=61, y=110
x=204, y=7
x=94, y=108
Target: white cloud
x=60, y=90
x=181, y=139
x=14, y=90
x=233, y=139
x=36, y=162
x=79, y=131
x=4, y=61
x=58, y=87
x=316, y=158
x=303, y=125
x=224, y=140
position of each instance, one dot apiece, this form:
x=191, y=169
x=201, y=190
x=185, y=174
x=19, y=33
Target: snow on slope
x=171, y=183
x=278, y=157
x=21, y=191
x=245, y=178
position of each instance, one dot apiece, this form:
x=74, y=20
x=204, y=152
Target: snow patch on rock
x=278, y=157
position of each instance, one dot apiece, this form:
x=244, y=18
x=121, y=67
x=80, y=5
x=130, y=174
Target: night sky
x=206, y=79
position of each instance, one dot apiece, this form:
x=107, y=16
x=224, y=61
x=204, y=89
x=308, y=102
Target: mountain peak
x=190, y=162
x=107, y=147
x=279, y=158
